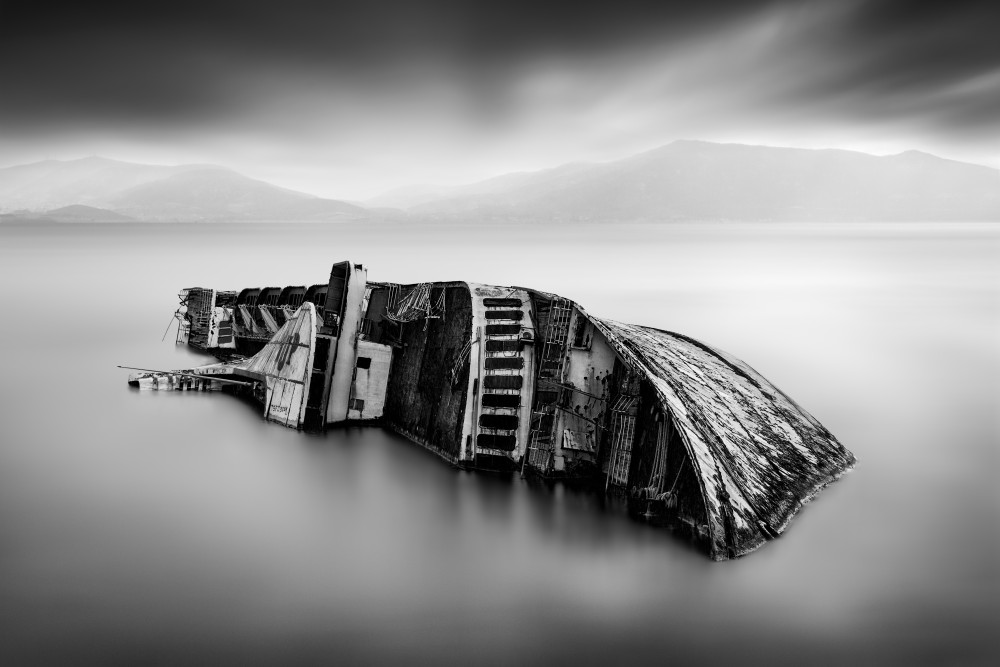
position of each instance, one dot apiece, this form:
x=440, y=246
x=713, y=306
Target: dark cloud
x=918, y=45
x=572, y=80
x=924, y=62
x=180, y=59
x=161, y=60
x=377, y=28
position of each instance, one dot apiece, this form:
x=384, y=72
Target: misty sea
x=174, y=528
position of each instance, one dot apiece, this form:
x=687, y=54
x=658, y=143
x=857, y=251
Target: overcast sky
x=348, y=100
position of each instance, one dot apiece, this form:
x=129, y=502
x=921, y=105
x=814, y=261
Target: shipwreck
x=511, y=378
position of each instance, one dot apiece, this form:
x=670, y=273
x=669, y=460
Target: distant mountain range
x=697, y=180
x=684, y=180
x=100, y=190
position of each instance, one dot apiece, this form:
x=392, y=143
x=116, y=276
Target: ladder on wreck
x=541, y=443
x=623, y=436
x=502, y=379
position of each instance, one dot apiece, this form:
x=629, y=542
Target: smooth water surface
x=175, y=528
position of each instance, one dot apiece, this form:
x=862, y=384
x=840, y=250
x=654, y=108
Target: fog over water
x=176, y=528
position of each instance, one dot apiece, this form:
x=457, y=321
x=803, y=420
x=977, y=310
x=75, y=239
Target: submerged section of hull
x=756, y=454
x=509, y=378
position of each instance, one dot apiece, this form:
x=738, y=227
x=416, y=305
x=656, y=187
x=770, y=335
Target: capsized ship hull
x=514, y=378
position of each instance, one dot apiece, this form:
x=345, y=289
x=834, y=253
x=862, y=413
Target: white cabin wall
x=346, y=350
x=370, y=383
x=220, y=329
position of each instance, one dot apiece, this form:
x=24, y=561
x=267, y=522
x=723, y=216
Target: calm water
x=146, y=528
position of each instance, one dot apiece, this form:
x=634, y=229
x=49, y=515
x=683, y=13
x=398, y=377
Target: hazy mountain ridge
x=410, y=196
x=82, y=213
x=152, y=193
x=221, y=194
x=694, y=180
x=684, y=180
x=91, y=181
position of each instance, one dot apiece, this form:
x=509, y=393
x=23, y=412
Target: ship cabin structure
x=511, y=378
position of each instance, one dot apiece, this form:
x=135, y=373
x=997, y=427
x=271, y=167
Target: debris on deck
x=509, y=378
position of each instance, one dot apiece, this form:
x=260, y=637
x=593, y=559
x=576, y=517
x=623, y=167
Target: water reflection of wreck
x=513, y=378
